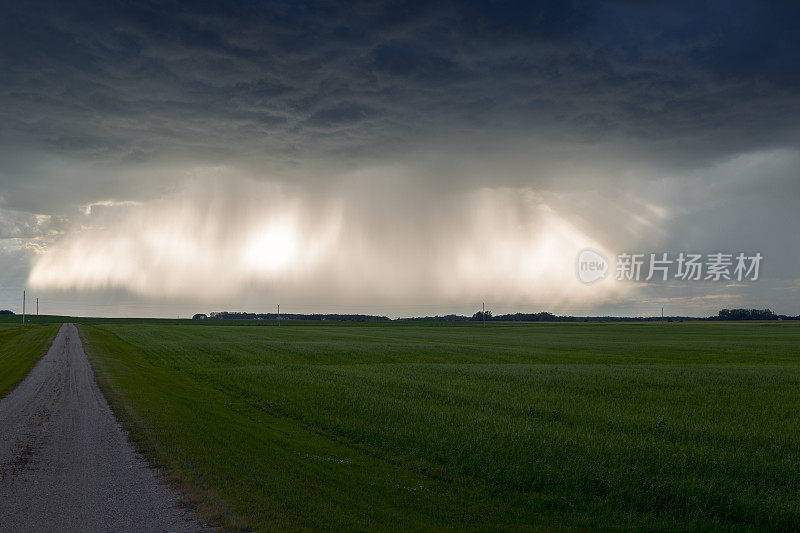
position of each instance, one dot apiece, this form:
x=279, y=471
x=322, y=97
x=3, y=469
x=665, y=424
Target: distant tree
x=200, y=316
x=6, y=312
x=480, y=316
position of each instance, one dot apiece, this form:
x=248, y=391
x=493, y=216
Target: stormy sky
x=398, y=158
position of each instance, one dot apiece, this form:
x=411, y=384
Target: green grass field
x=634, y=426
x=20, y=347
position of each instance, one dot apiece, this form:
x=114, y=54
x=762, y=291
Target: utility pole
x=279, y=315
x=23, y=308
x=483, y=313
x=662, y=314
x=37, y=307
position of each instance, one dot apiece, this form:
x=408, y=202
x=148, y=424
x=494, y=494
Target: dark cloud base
x=132, y=81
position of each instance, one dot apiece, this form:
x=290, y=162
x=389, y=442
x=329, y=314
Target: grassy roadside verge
x=20, y=348
x=248, y=468
x=211, y=507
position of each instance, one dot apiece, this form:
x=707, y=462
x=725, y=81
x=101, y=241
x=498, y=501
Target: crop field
x=674, y=426
x=19, y=349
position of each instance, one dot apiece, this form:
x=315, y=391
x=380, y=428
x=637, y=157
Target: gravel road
x=65, y=464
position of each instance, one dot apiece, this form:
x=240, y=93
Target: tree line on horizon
x=480, y=316
x=228, y=315
x=724, y=314
x=487, y=316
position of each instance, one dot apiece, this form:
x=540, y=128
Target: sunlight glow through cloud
x=503, y=243
x=272, y=249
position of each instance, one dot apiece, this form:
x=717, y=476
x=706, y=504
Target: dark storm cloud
x=136, y=80
x=341, y=114
x=411, y=60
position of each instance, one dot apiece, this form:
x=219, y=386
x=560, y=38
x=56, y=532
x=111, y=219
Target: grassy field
x=644, y=426
x=20, y=347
